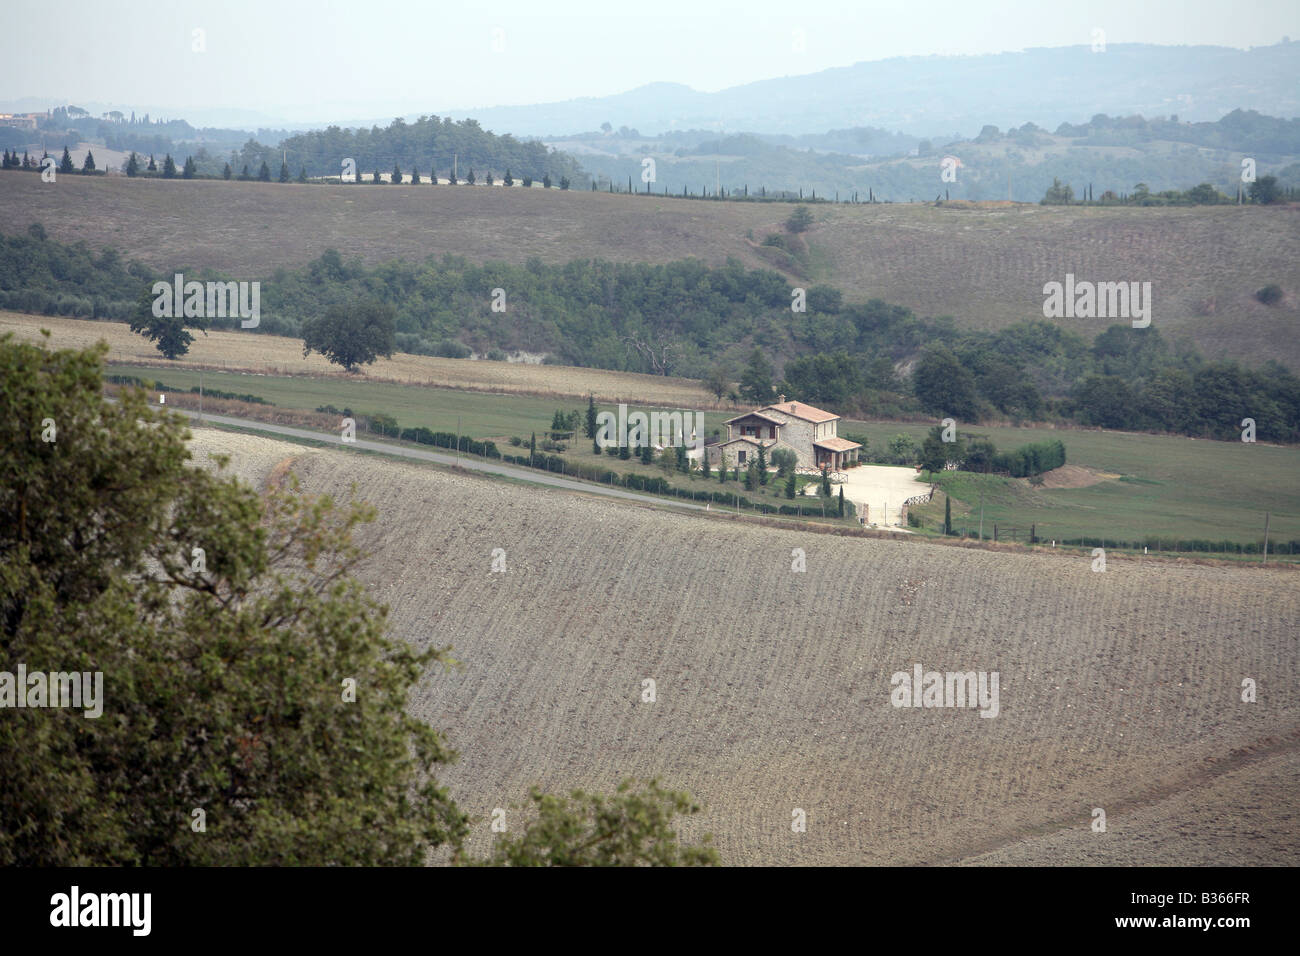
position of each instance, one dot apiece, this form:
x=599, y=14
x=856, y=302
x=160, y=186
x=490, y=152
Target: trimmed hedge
x=424, y=436
x=1031, y=459
x=661, y=486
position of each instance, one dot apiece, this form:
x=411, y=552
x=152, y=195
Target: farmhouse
x=808, y=432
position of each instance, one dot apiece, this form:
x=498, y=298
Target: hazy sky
x=326, y=60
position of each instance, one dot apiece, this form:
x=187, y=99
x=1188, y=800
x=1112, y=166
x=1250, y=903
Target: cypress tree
x=591, y=416
x=722, y=467
x=532, y=448
x=647, y=454
x=841, y=501
x=704, y=465
x=826, y=482
x=762, y=465
x=790, y=486
x=947, y=515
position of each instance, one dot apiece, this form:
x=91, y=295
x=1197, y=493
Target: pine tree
x=26, y=162
x=564, y=182
x=245, y=174
x=226, y=172
x=470, y=178
x=190, y=168
x=65, y=165
x=624, y=452
x=284, y=171
x=528, y=182
x=509, y=180
x=153, y=167
x=302, y=174
x=415, y=175
x=264, y=173
x=546, y=181
x=490, y=180
x=397, y=175
x=169, y=167
x=376, y=180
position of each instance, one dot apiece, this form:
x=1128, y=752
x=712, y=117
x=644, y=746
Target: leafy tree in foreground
x=632, y=827
x=351, y=334
x=224, y=687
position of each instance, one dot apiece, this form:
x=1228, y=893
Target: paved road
x=443, y=458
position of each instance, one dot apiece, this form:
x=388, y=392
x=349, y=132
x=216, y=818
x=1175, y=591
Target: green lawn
x=1171, y=487
x=481, y=415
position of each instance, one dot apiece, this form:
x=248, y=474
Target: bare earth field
x=274, y=354
x=983, y=264
x=1118, y=690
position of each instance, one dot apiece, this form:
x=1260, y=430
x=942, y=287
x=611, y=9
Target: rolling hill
x=984, y=264
x=1118, y=690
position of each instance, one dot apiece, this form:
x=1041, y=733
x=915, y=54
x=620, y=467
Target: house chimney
x=780, y=399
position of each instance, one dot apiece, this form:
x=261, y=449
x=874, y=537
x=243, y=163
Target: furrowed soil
x=1119, y=690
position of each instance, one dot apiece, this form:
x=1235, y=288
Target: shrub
x=1269, y=294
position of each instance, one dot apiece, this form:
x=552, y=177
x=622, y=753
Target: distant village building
x=808, y=432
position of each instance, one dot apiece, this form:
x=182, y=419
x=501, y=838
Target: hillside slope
x=773, y=687
x=986, y=266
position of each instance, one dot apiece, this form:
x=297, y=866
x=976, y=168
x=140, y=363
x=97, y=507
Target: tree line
x=729, y=326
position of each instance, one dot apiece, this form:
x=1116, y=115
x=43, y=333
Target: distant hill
x=936, y=95
x=1107, y=152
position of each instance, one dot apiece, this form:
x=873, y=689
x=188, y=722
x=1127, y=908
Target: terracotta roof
x=836, y=444
x=758, y=414
x=800, y=410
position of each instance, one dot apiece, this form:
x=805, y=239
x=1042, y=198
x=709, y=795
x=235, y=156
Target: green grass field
x=481, y=415
x=1169, y=487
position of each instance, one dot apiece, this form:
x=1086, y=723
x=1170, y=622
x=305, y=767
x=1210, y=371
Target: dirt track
x=1119, y=690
